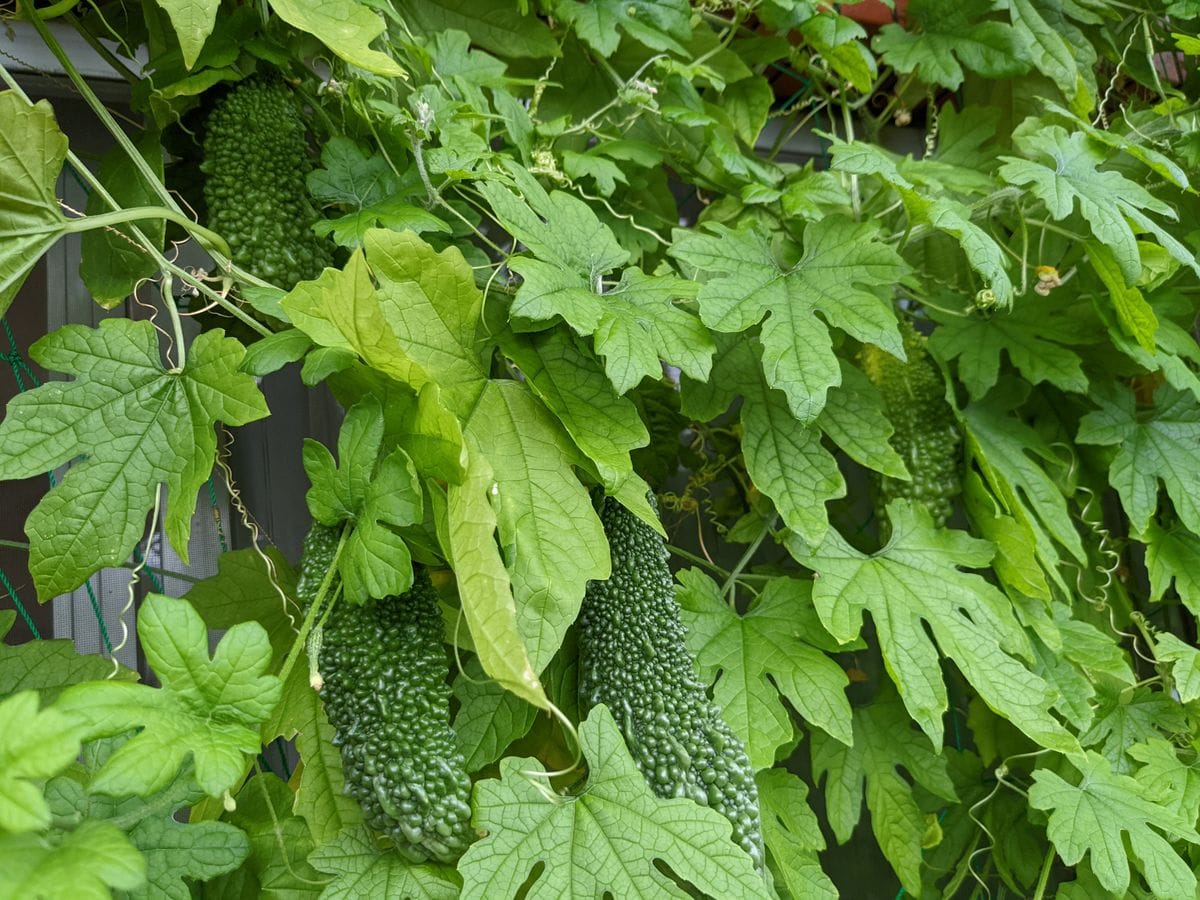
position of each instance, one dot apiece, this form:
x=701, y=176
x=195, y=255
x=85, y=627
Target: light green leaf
x=1136, y=316
x=321, y=797
x=85, y=864
x=1129, y=716
x=1048, y=49
x=604, y=839
x=1158, y=444
x=568, y=379
x=207, y=707
x=193, y=21
x=243, y=591
x=433, y=436
x=394, y=213
x=754, y=661
x=489, y=718
x=659, y=24
x=111, y=263
x=279, y=844
x=1145, y=153
x=1030, y=334
x=1016, y=563
x=792, y=835
x=483, y=583
x=139, y=424
x=49, y=666
x=1007, y=452
x=551, y=537
x=941, y=213
x=1091, y=817
x=1168, y=779
x=884, y=741
x=1061, y=168
x=1186, y=669
x=855, y=420
x=943, y=36
x=433, y=308
x=375, y=496
x=786, y=459
x=1173, y=555
x=838, y=39
x=32, y=150
x=272, y=353
x=914, y=583
x=341, y=310
x=173, y=850
x=633, y=324
x=362, y=870
x=34, y=744
x=345, y=27
x=496, y=25
x=841, y=265
x=557, y=227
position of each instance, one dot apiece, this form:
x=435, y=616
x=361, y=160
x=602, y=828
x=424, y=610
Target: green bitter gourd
x=255, y=163
x=385, y=691
x=926, y=434
x=633, y=659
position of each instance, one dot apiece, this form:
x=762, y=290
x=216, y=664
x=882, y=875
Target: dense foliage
x=897, y=326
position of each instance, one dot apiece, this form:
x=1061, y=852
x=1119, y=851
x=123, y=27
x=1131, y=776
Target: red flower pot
x=872, y=12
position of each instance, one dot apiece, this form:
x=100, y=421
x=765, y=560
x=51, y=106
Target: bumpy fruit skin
x=926, y=431
x=633, y=659
x=385, y=691
x=316, y=557
x=255, y=163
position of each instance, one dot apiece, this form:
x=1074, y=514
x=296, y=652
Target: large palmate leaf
x=792, y=835
x=915, y=583
x=633, y=323
x=786, y=458
x=321, y=797
x=1160, y=444
x=1060, y=168
x=756, y=660
x=138, y=424
x=375, y=495
x=208, y=707
x=946, y=36
x=86, y=863
x=841, y=269
x=569, y=380
x=173, y=850
x=344, y=26
x=1012, y=458
x=49, y=666
x=1033, y=335
x=659, y=24
x=34, y=744
x=604, y=839
x=884, y=740
x=361, y=869
x=1091, y=815
x=939, y=213
x=32, y=150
